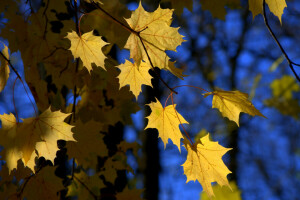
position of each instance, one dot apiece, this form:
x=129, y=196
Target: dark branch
x=278, y=43
x=11, y=66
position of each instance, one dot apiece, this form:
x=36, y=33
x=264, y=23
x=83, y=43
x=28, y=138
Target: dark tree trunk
x=150, y=150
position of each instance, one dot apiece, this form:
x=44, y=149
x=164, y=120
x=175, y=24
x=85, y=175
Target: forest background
x=226, y=48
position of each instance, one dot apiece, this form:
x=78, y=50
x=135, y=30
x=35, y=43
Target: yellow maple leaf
x=20, y=140
x=134, y=76
x=44, y=185
x=89, y=144
x=166, y=121
x=88, y=48
x=204, y=163
x=232, y=103
x=4, y=68
x=51, y=127
x=157, y=36
x=284, y=87
x=276, y=7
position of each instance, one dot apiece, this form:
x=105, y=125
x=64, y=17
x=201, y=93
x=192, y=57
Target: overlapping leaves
x=20, y=140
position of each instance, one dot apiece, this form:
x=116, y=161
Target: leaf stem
x=191, y=87
x=180, y=121
x=291, y=63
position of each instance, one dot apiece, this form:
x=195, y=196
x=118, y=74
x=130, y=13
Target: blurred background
x=237, y=53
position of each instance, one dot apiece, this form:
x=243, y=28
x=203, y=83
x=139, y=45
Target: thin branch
x=18, y=77
x=186, y=133
x=11, y=66
x=278, y=43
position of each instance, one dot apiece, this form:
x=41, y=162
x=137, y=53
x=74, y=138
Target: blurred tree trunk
x=234, y=132
x=150, y=158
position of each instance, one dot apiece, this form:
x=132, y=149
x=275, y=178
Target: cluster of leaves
x=48, y=42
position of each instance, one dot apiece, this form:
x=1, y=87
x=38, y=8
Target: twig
x=278, y=43
x=19, y=77
x=11, y=66
x=186, y=133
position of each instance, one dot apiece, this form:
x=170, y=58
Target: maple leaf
x=156, y=34
x=166, y=121
x=134, y=77
x=112, y=32
x=276, y=7
x=44, y=185
x=232, y=103
x=130, y=194
x=20, y=140
x=217, y=7
x=180, y=5
x=204, y=163
x=285, y=87
x=51, y=127
x=89, y=144
x=87, y=47
x=93, y=183
x=4, y=68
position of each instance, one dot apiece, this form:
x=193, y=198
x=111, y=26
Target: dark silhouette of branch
x=11, y=66
x=291, y=63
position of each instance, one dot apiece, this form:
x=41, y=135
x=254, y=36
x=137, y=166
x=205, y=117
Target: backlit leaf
x=275, y=6
x=134, y=76
x=204, y=163
x=157, y=36
x=88, y=48
x=166, y=121
x=232, y=103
